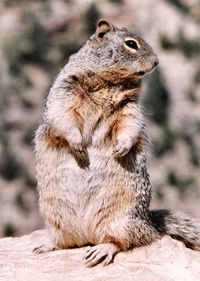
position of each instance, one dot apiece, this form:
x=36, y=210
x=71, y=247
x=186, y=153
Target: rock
x=164, y=260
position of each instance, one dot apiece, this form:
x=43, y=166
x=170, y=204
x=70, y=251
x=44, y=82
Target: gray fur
x=91, y=150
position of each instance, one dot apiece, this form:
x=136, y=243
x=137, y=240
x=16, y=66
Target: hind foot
x=44, y=249
x=101, y=253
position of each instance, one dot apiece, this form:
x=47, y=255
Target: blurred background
x=36, y=40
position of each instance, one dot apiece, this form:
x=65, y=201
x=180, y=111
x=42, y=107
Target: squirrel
x=91, y=149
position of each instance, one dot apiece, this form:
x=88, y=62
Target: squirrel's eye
x=131, y=44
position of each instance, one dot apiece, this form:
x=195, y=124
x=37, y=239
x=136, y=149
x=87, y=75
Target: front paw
x=79, y=150
x=122, y=147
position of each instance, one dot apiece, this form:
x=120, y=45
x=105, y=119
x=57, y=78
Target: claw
x=101, y=253
x=80, y=151
x=107, y=260
x=44, y=249
x=89, y=253
x=122, y=148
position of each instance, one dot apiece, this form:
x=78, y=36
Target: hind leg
x=139, y=235
x=110, y=237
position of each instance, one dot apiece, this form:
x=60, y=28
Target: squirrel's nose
x=156, y=62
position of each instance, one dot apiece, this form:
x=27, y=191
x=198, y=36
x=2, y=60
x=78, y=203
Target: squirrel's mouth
x=141, y=73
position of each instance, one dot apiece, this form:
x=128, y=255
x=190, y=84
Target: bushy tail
x=178, y=225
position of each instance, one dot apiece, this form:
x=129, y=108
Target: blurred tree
x=197, y=76
x=156, y=101
x=164, y=143
x=9, y=166
x=188, y=47
x=179, y=5
x=20, y=202
x=182, y=183
x=68, y=48
x=193, y=149
x=117, y=1
x=91, y=17
x=9, y=230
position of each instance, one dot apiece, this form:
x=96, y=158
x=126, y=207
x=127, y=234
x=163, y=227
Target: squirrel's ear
x=103, y=27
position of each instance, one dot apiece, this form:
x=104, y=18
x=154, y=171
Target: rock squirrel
x=91, y=149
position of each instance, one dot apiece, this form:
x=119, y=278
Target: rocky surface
x=164, y=260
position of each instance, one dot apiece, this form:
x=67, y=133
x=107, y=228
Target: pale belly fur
x=82, y=200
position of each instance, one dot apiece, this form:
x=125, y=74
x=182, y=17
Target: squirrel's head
x=112, y=48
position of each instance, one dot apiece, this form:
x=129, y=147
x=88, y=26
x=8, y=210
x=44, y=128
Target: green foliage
x=9, y=167
x=197, y=76
x=164, y=143
x=156, y=101
x=179, y=5
x=166, y=43
x=167, y=140
x=91, y=17
x=159, y=191
x=19, y=200
x=30, y=182
x=191, y=96
x=9, y=3
x=9, y=230
x=193, y=149
x=188, y=47
x=12, y=50
x=194, y=155
x=198, y=125
x=29, y=47
x=28, y=136
x=27, y=104
x=37, y=42
x=68, y=48
x=116, y=1
x=182, y=183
